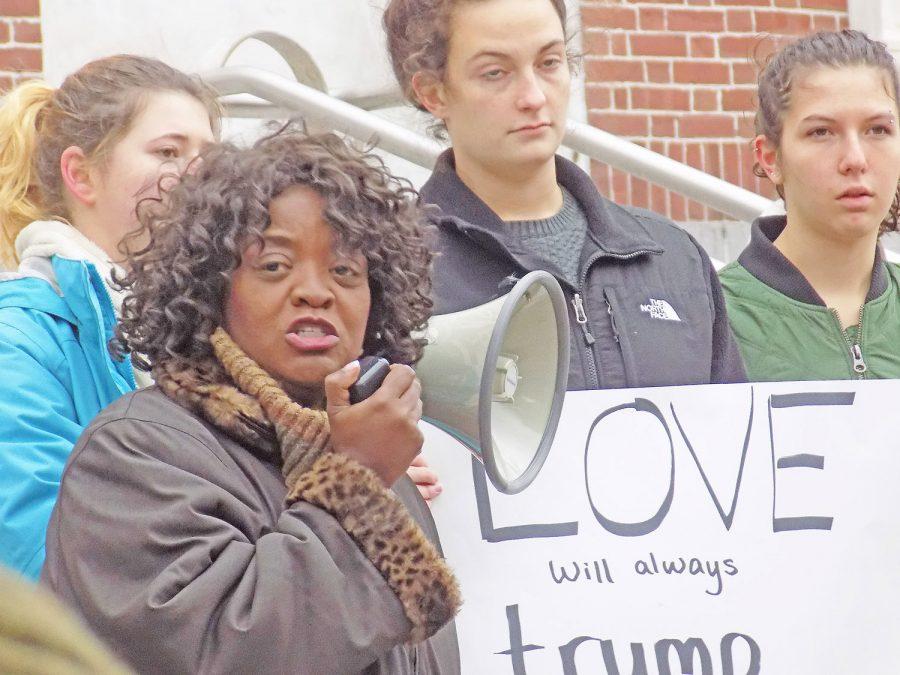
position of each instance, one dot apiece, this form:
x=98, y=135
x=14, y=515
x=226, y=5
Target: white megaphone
x=495, y=376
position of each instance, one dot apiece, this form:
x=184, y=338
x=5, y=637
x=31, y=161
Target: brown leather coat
x=173, y=540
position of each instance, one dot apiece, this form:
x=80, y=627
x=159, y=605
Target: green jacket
x=785, y=331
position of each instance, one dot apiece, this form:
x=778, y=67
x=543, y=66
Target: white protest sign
x=731, y=529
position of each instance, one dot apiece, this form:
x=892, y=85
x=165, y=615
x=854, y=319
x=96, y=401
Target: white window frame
x=880, y=19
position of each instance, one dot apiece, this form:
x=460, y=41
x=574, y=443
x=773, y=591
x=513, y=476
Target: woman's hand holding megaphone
x=380, y=432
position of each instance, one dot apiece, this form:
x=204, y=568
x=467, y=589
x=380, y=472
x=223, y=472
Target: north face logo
x=660, y=309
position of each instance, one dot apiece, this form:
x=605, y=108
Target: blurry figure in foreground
x=38, y=635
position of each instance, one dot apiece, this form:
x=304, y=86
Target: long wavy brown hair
x=195, y=235
x=93, y=109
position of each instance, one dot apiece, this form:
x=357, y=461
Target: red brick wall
x=21, y=56
x=678, y=76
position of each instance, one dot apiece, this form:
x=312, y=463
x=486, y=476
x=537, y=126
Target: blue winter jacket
x=56, y=374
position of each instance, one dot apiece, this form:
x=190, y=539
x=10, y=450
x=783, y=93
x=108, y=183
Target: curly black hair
x=194, y=237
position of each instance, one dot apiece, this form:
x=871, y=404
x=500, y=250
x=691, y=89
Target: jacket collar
x=86, y=293
x=46, y=240
x=78, y=296
x=64, y=289
x=56, y=257
x=620, y=237
x=204, y=388
x=35, y=294
x=771, y=267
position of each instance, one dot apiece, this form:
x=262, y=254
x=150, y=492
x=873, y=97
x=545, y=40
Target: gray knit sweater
x=557, y=239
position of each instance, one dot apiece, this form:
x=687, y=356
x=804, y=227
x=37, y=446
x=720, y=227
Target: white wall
x=880, y=19
x=344, y=37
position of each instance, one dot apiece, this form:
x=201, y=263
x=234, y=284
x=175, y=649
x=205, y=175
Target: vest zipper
x=581, y=315
x=582, y=321
x=612, y=318
x=855, y=348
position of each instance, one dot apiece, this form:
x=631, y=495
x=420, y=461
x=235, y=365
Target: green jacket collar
x=768, y=264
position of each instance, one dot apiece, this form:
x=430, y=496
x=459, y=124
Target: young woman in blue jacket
x=74, y=164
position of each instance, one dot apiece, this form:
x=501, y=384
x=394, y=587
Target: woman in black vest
x=645, y=306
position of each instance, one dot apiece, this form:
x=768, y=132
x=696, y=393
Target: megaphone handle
x=372, y=371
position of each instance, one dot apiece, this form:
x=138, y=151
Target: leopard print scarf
x=251, y=406
x=234, y=393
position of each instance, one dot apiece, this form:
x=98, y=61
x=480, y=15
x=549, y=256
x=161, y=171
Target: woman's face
x=297, y=306
x=164, y=138
x=506, y=85
x=839, y=160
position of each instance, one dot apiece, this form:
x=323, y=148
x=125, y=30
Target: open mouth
x=310, y=331
x=311, y=334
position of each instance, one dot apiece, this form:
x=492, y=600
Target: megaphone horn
x=494, y=376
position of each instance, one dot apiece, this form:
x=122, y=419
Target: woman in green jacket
x=812, y=297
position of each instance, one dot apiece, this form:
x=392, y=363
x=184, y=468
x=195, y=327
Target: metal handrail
x=665, y=171
x=321, y=109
